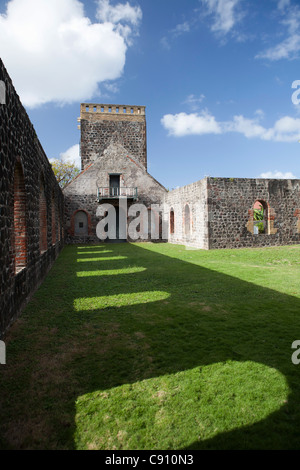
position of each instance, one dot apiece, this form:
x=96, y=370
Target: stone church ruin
x=38, y=218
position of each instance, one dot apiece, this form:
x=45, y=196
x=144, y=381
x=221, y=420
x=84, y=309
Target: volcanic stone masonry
x=220, y=213
x=113, y=151
x=31, y=208
x=35, y=214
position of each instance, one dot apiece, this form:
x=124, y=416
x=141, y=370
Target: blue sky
x=215, y=76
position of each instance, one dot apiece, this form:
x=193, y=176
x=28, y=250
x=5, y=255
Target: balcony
x=116, y=193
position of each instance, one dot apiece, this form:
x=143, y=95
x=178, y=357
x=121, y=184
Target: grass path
x=152, y=346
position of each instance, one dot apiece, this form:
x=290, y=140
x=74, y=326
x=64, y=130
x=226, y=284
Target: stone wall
x=102, y=125
x=81, y=193
x=190, y=217
x=31, y=208
x=231, y=206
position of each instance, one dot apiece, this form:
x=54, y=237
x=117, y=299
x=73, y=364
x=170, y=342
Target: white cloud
x=248, y=127
x=179, y=30
x=183, y=124
x=225, y=14
x=290, y=46
x=194, y=101
x=54, y=53
x=72, y=155
x=285, y=129
x=277, y=175
x=282, y=4
x=118, y=13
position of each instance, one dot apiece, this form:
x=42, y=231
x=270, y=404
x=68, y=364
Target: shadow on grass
x=91, y=328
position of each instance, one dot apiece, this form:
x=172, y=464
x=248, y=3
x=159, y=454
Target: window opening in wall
x=43, y=219
x=260, y=217
x=20, y=236
x=54, y=222
x=81, y=223
x=172, y=221
x=114, y=185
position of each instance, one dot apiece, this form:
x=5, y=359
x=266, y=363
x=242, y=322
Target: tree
x=259, y=216
x=259, y=213
x=64, y=172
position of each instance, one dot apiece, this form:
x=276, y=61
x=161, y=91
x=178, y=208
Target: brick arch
x=54, y=219
x=269, y=217
x=297, y=214
x=89, y=222
x=43, y=216
x=20, y=228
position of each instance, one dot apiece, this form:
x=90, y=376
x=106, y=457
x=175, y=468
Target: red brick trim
x=53, y=220
x=20, y=232
x=43, y=219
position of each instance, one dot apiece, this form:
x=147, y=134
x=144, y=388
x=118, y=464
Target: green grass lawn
x=154, y=346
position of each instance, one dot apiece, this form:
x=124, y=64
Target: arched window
x=20, y=237
x=187, y=220
x=43, y=218
x=81, y=223
x=172, y=221
x=59, y=227
x=54, y=222
x=260, y=217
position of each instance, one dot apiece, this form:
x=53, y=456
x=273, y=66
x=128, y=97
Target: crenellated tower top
x=99, y=123
x=111, y=111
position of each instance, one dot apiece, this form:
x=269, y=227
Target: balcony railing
x=113, y=193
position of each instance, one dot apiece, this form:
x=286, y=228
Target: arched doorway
x=172, y=221
x=81, y=223
x=260, y=217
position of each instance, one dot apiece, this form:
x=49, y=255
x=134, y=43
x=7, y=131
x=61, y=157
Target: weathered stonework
x=222, y=213
x=189, y=204
x=230, y=208
x=209, y=214
x=102, y=125
x=81, y=193
x=23, y=164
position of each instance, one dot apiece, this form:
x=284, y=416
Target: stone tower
x=103, y=124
